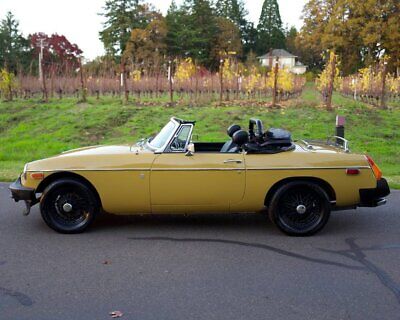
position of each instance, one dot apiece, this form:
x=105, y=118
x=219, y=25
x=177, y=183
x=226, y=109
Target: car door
x=202, y=182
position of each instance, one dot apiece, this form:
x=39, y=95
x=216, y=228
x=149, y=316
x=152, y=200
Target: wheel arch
x=66, y=174
x=320, y=182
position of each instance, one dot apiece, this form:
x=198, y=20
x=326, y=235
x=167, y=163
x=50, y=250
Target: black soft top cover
x=273, y=141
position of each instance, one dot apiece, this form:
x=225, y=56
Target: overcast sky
x=79, y=21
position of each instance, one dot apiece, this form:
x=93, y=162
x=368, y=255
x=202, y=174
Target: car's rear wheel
x=300, y=208
x=68, y=206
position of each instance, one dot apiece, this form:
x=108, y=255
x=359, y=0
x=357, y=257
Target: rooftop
x=281, y=53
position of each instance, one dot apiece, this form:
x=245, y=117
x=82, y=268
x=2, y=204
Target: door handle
x=233, y=161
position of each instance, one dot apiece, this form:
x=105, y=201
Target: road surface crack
x=253, y=245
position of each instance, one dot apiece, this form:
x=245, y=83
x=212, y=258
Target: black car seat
x=239, y=138
x=230, y=144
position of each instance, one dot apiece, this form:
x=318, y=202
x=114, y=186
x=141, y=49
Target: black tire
x=83, y=209
x=300, y=208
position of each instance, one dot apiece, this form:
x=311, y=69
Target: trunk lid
x=331, y=145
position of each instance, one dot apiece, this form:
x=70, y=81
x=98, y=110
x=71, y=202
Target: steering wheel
x=178, y=144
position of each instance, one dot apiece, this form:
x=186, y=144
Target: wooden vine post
x=275, y=88
x=170, y=81
x=221, y=80
x=124, y=84
x=196, y=87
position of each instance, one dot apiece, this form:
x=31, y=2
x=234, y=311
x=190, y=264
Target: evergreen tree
x=203, y=29
x=291, y=35
x=14, y=48
x=173, y=27
x=121, y=17
x=233, y=10
x=179, y=35
x=270, y=31
x=250, y=39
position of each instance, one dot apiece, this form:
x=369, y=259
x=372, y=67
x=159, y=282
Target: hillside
x=32, y=130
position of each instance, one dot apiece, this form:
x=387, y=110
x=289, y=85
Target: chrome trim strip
x=306, y=168
x=71, y=170
x=203, y=169
x=308, y=146
x=198, y=169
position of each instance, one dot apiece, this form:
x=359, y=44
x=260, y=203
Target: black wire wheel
x=68, y=206
x=300, y=208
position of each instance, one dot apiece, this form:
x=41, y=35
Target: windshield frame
x=167, y=141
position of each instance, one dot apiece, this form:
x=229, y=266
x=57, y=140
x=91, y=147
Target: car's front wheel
x=68, y=206
x=300, y=208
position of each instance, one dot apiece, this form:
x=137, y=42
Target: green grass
x=31, y=130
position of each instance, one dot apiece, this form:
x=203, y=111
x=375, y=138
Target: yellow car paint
x=134, y=180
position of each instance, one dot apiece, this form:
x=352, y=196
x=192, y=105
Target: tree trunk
x=10, y=92
x=331, y=84
x=83, y=87
x=383, y=90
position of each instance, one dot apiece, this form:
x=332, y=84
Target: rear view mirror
x=190, y=150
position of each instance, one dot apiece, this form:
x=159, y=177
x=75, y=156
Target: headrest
x=232, y=129
x=240, y=137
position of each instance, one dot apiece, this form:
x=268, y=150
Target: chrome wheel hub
x=301, y=209
x=67, y=207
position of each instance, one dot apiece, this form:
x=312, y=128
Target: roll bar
x=259, y=132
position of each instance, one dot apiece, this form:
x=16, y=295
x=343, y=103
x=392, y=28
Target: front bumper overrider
x=21, y=193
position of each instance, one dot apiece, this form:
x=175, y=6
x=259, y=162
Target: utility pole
x=42, y=77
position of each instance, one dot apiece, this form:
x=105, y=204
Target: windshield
x=162, y=138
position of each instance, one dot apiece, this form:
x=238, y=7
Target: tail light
x=377, y=172
x=352, y=171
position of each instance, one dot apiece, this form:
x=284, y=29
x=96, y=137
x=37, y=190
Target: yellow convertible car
x=296, y=183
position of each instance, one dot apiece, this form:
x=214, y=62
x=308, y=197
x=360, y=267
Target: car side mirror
x=190, y=150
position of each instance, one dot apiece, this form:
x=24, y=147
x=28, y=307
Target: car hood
x=100, y=150
x=96, y=158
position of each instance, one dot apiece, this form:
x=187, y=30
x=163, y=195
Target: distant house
x=286, y=60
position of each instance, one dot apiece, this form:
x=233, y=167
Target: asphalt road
x=200, y=267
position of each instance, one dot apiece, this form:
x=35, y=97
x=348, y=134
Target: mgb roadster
x=297, y=183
